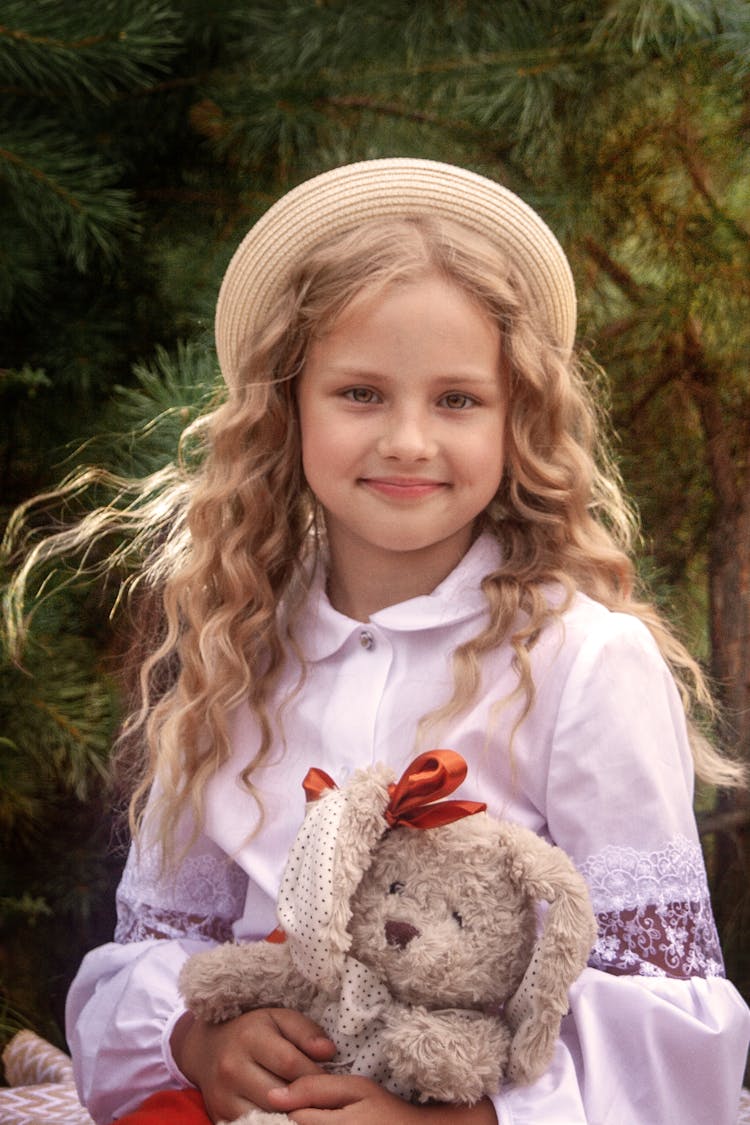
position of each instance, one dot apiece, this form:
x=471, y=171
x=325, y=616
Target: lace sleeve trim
x=201, y=900
x=654, y=912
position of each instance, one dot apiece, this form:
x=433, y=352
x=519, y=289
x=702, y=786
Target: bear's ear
x=332, y=851
x=536, y=1009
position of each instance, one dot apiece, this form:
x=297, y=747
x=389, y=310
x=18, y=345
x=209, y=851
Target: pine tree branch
x=213, y=198
x=670, y=375
x=686, y=144
x=393, y=109
x=66, y=192
x=617, y=328
x=630, y=287
x=36, y=173
x=59, y=44
x=528, y=62
x=624, y=280
x=93, y=52
x=60, y=720
x=184, y=82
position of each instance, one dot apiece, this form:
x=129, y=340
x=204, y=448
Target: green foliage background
x=139, y=139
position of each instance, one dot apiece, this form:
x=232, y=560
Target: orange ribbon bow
x=416, y=798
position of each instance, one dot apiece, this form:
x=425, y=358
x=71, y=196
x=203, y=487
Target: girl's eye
x=459, y=919
x=395, y=888
x=362, y=395
x=457, y=401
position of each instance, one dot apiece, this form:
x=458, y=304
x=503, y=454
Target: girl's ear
x=536, y=1009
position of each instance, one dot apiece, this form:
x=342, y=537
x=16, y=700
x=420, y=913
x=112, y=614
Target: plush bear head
x=449, y=907
x=443, y=915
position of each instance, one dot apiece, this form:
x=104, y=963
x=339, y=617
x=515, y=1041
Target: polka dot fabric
x=354, y=1022
x=522, y=1006
x=353, y=999
x=306, y=899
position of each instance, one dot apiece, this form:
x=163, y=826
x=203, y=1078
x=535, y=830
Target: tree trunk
x=730, y=648
x=729, y=596
x=729, y=577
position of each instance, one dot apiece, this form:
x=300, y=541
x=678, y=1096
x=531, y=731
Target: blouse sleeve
x=655, y=1033
x=124, y=1001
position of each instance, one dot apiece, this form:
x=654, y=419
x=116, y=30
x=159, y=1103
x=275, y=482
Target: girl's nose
x=406, y=437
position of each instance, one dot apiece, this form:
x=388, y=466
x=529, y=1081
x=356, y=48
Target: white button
x=366, y=639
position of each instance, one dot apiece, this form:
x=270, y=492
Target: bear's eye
x=459, y=919
x=395, y=888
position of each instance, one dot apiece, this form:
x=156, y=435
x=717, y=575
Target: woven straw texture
x=744, y=1115
x=41, y=1090
x=339, y=200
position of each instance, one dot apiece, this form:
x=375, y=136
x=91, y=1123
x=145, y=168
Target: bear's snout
x=400, y=933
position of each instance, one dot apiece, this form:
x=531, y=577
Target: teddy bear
x=411, y=930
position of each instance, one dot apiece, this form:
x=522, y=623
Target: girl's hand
x=329, y=1099
x=235, y=1064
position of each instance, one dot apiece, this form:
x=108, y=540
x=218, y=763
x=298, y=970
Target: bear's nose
x=400, y=933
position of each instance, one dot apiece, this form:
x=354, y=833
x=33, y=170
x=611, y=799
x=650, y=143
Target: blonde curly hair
x=238, y=535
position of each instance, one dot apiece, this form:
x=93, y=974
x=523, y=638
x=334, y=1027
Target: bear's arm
x=231, y=979
x=446, y=1056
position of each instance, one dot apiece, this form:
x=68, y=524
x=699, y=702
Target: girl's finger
x=304, y=1033
x=320, y=1091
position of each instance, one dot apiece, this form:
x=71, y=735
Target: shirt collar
x=321, y=630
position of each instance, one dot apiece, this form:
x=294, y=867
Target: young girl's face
x=402, y=410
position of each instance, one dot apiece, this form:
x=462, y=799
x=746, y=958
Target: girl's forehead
x=425, y=335
x=376, y=294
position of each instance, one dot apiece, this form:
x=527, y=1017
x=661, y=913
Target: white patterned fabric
x=654, y=912
x=201, y=900
x=601, y=766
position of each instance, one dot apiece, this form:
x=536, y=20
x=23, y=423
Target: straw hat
x=339, y=200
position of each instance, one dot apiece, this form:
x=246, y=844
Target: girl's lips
x=402, y=488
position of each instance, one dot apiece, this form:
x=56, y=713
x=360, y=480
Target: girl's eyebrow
x=448, y=379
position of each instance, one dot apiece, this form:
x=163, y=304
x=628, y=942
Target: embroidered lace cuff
x=202, y=900
x=654, y=912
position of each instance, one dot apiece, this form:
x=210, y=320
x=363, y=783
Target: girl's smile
x=402, y=411
x=403, y=488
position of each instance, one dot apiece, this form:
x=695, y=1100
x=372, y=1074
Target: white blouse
x=601, y=766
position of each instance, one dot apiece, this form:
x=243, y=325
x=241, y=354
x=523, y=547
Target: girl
x=405, y=534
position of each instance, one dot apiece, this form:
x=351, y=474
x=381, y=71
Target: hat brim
x=340, y=199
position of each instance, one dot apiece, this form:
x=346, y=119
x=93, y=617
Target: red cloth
x=171, y=1107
